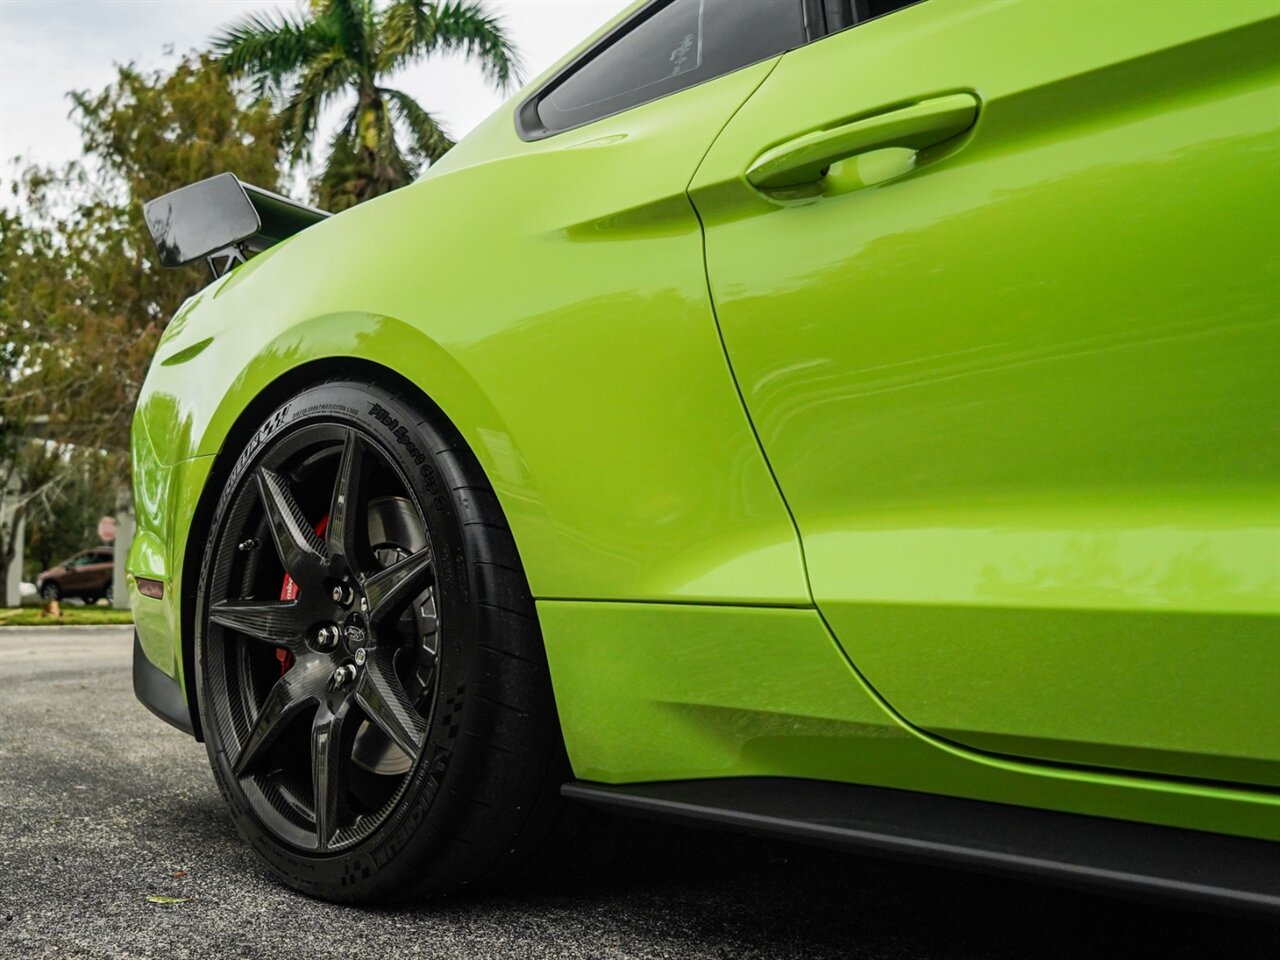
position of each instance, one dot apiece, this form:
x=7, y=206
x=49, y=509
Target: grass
x=71, y=616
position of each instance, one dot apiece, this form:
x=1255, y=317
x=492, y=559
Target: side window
x=672, y=46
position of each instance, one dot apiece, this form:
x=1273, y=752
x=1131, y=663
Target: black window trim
x=529, y=126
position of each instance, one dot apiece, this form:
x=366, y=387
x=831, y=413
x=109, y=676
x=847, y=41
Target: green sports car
x=853, y=421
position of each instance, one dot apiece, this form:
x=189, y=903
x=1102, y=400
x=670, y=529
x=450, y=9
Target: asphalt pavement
x=103, y=806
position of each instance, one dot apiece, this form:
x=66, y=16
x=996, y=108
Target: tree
x=97, y=326
x=352, y=46
x=147, y=134
x=34, y=285
x=83, y=299
x=70, y=494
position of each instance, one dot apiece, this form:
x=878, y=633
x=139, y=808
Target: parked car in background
x=86, y=575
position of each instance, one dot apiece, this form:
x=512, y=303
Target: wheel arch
x=236, y=437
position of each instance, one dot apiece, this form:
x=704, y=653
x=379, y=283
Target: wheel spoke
x=390, y=589
x=383, y=698
x=293, y=693
x=301, y=550
x=271, y=621
x=344, y=511
x=328, y=769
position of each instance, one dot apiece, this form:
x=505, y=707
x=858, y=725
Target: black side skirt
x=158, y=691
x=1095, y=852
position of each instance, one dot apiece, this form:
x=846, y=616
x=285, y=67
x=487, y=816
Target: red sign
x=107, y=529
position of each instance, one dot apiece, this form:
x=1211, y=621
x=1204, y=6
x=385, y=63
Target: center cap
x=355, y=633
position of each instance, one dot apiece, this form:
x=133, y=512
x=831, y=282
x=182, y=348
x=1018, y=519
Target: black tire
x=480, y=802
x=51, y=591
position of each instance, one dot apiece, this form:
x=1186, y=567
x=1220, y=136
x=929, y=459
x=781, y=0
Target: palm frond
x=323, y=78
x=411, y=29
x=349, y=123
x=430, y=142
x=269, y=47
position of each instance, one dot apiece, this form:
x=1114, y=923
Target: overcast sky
x=48, y=47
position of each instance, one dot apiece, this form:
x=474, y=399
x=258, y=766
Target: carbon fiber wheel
x=365, y=668
x=323, y=637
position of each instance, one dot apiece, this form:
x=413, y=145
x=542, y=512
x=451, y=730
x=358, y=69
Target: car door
x=998, y=282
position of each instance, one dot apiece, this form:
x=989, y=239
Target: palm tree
x=351, y=46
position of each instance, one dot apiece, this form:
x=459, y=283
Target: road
x=104, y=806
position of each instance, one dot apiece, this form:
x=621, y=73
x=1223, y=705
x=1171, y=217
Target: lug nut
x=343, y=594
x=327, y=637
x=344, y=674
x=360, y=656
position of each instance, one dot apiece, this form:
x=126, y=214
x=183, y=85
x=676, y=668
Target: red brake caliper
x=289, y=591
